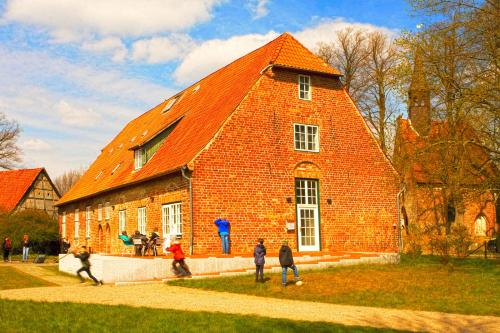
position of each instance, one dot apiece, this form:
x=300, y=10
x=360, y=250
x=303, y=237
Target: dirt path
x=39, y=271
x=161, y=296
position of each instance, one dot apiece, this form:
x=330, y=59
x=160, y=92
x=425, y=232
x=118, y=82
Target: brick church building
x=270, y=142
x=445, y=184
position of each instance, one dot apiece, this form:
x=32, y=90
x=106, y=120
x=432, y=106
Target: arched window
x=480, y=226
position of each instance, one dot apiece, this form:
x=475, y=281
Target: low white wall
x=112, y=269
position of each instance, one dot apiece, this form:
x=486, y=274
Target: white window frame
x=77, y=223
x=480, y=226
x=107, y=211
x=87, y=222
x=122, y=220
x=306, y=135
x=99, y=212
x=138, y=159
x=170, y=103
x=305, y=87
x=63, y=225
x=141, y=220
x=171, y=219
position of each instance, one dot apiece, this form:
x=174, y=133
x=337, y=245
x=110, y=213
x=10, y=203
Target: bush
x=42, y=229
x=414, y=242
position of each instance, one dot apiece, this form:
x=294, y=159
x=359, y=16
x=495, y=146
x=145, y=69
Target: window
x=63, y=225
x=99, y=212
x=305, y=87
x=115, y=168
x=87, y=223
x=98, y=175
x=107, y=211
x=170, y=104
x=77, y=222
x=138, y=159
x=306, y=191
x=122, y=220
x=141, y=220
x=480, y=226
x=306, y=137
x=171, y=219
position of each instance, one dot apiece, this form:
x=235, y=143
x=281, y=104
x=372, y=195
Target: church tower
x=419, y=98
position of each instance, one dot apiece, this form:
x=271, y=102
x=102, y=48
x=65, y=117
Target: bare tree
x=65, y=181
x=348, y=53
x=379, y=75
x=367, y=61
x=9, y=151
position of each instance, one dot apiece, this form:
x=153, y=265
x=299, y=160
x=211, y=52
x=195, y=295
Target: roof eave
x=171, y=171
x=307, y=70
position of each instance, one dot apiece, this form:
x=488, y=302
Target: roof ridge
x=280, y=46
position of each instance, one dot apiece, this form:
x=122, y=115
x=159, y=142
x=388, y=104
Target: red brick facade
x=247, y=174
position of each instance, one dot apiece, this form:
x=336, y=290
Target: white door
x=306, y=191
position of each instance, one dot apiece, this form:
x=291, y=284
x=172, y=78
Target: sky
x=74, y=72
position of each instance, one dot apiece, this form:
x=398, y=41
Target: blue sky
x=74, y=72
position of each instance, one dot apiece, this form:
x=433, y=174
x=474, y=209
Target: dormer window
x=305, y=87
x=138, y=159
x=170, y=104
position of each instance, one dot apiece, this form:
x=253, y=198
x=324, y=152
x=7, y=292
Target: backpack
x=7, y=244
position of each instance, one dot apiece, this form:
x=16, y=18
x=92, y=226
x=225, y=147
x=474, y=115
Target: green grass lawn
x=71, y=317
x=468, y=286
x=11, y=278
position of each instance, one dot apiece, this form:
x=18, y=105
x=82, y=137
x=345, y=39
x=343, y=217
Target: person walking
x=179, y=257
x=26, y=247
x=6, y=247
x=286, y=262
x=259, y=253
x=84, y=256
x=223, y=228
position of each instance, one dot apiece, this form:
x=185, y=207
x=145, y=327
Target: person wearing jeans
x=26, y=247
x=223, y=228
x=286, y=262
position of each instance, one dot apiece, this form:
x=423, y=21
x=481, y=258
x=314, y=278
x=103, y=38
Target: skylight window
x=115, y=168
x=98, y=175
x=144, y=133
x=196, y=88
x=133, y=139
x=170, y=104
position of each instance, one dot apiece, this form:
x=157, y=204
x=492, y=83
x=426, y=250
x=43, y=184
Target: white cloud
x=213, y=54
x=325, y=30
x=67, y=18
x=162, y=49
x=258, y=8
x=35, y=144
x=77, y=116
x=111, y=45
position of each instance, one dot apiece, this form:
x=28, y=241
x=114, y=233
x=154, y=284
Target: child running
x=179, y=256
x=84, y=256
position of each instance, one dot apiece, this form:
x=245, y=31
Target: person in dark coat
x=259, y=253
x=286, y=261
x=6, y=247
x=84, y=256
x=137, y=240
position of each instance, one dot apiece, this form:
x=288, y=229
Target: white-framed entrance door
x=171, y=221
x=306, y=192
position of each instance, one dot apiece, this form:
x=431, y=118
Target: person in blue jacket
x=223, y=226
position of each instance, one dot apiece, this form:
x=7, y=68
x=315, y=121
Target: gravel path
x=162, y=296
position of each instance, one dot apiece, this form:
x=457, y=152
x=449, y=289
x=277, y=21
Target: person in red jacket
x=176, y=249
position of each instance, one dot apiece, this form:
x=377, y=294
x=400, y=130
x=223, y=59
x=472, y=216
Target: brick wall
x=247, y=174
x=152, y=195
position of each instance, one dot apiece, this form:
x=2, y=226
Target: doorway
x=306, y=193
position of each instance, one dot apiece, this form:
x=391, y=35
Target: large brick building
x=27, y=189
x=271, y=142
x=445, y=173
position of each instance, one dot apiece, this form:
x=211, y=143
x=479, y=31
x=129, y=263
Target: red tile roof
x=13, y=186
x=202, y=112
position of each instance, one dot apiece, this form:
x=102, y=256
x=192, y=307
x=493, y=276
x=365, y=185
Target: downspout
x=191, y=236
x=400, y=236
